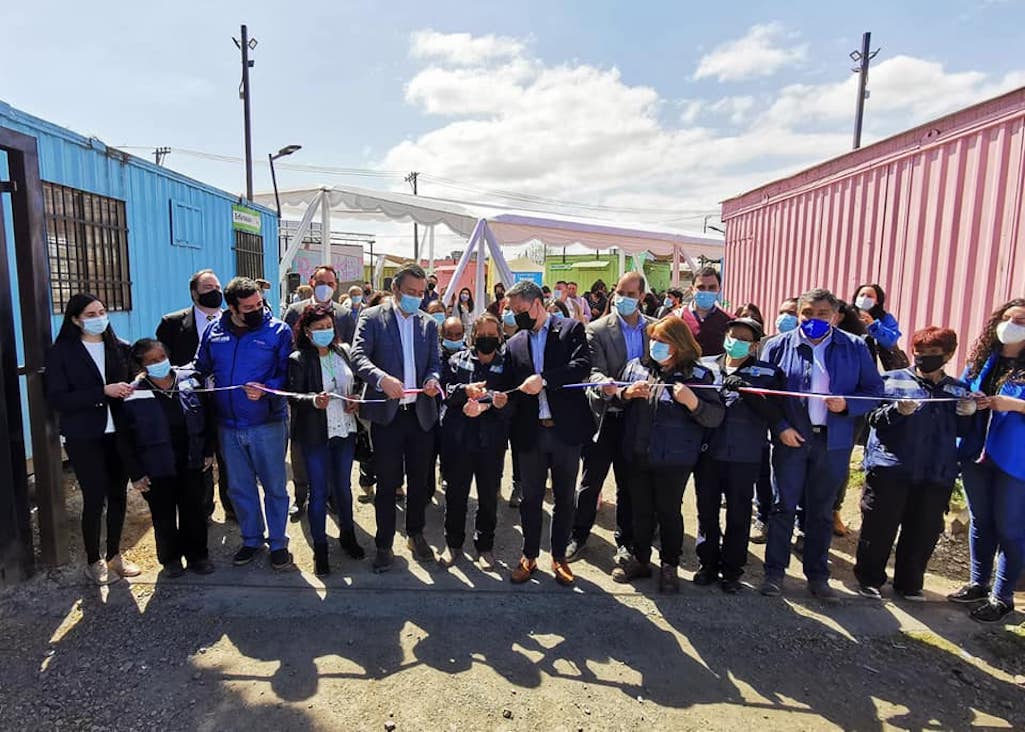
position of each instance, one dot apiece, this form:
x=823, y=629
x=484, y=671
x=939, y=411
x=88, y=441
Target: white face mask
x=865, y=302
x=1010, y=333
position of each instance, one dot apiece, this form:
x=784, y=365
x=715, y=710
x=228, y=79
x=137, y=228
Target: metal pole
x=864, y=58
x=411, y=178
x=246, y=63
x=274, y=181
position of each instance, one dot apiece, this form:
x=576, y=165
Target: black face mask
x=430, y=286
x=929, y=364
x=210, y=299
x=253, y=319
x=525, y=321
x=486, y=345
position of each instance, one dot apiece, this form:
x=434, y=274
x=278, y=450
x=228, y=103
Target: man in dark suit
x=550, y=424
x=613, y=340
x=180, y=332
x=396, y=353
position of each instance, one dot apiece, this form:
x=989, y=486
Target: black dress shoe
x=350, y=545
x=731, y=586
x=705, y=576
x=202, y=566
x=320, y=563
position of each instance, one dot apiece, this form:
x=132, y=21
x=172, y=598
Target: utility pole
x=247, y=44
x=411, y=178
x=159, y=154
x=862, y=58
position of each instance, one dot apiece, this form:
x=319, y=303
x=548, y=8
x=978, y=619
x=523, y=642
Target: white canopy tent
x=487, y=230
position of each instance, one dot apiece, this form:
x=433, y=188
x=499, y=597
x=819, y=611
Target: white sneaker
x=97, y=572
x=122, y=567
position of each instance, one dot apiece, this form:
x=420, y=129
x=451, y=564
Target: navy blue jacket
x=489, y=430
x=744, y=432
x=144, y=436
x=852, y=372
x=661, y=432
x=236, y=357
x=74, y=387
x=922, y=445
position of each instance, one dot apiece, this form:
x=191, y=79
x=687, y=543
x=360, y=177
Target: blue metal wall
x=159, y=268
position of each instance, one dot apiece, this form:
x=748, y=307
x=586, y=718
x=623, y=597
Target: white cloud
x=577, y=132
x=762, y=52
x=463, y=48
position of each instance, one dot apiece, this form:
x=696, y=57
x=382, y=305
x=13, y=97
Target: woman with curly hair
x=993, y=464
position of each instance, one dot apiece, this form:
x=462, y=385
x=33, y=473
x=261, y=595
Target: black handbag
x=892, y=359
x=364, y=450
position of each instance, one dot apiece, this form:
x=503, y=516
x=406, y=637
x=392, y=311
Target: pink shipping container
x=934, y=215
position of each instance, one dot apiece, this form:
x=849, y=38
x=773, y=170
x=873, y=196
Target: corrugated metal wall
x=933, y=215
x=159, y=269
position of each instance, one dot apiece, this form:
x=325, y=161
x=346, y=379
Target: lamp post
x=287, y=150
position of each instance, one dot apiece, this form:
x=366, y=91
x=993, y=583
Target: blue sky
x=633, y=106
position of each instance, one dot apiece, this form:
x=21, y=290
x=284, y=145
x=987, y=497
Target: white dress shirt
x=406, y=335
x=817, y=410
x=203, y=322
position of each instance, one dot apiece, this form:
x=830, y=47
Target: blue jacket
x=744, y=433
x=1002, y=434
x=852, y=372
x=922, y=445
x=490, y=430
x=661, y=432
x=236, y=358
x=885, y=331
x=144, y=436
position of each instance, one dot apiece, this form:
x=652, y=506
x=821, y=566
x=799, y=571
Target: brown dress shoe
x=524, y=570
x=563, y=574
x=838, y=526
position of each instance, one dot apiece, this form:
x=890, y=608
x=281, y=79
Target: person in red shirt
x=706, y=320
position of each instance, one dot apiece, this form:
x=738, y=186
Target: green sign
x=245, y=219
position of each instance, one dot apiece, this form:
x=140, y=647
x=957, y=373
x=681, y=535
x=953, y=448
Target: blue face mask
x=439, y=318
x=786, y=322
x=508, y=318
x=626, y=306
x=668, y=302
x=450, y=345
x=159, y=370
x=356, y=300
x=95, y=326
x=815, y=328
x=658, y=351
x=736, y=349
x=705, y=300
x=322, y=338
x=409, y=303
x=558, y=293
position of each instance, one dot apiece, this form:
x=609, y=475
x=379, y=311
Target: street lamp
x=286, y=150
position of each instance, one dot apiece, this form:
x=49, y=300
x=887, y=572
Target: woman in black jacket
x=86, y=372
x=474, y=432
x=665, y=428
x=325, y=426
x=166, y=444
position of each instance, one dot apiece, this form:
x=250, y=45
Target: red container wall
x=933, y=215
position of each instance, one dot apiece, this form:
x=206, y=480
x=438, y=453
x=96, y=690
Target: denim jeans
x=996, y=502
x=329, y=467
x=258, y=453
x=809, y=475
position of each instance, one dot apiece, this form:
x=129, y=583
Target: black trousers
x=484, y=466
x=549, y=452
x=598, y=457
x=657, y=495
x=179, y=521
x=103, y=480
x=891, y=502
x=432, y=474
x=763, y=488
x=300, y=479
x=401, y=448
x=718, y=551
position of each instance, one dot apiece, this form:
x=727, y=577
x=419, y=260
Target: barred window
x=248, y=255
x=87, y=239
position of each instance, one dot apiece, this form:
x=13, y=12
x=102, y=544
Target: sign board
x=534, y=277
x=245, y=219
x=347, y=259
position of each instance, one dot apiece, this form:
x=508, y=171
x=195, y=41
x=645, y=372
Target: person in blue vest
x=663, y=435
x=812, y=445
x=167, y=444
x=910, y=466
x=731, y=464
x=993, y=464
x=249, y=348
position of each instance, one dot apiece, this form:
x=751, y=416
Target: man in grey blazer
x=396, y=352
x=613, y=340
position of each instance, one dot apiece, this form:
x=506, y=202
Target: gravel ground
x=424, y=648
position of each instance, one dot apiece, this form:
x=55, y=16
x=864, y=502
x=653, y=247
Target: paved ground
x=424, y=648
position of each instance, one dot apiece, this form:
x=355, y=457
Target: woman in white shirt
x=465, y=310
x=325, y=426
x=86, y=377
